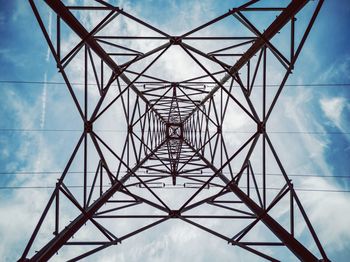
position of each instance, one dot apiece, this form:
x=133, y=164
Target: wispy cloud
x=337, y=236
x=44, y=93
x=48, y=53
x=43, y=100
x=171, y=243
x=337, y=71
x=333, y=108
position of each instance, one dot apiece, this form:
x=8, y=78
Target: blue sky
x=326, y=109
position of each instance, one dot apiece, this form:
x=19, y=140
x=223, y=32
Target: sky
x=317, y=114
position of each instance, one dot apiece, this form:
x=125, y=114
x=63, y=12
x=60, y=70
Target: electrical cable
x=267, y=85
x=269, y=188
x=92, y=172
x=120, y=131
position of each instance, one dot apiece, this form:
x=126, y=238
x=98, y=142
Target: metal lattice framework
x=173, y=132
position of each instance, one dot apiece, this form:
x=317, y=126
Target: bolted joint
x=88, y=127
x=174, y=213
x=175, y=40
x=261, y=129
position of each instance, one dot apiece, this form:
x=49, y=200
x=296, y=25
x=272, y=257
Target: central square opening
x=174, y=131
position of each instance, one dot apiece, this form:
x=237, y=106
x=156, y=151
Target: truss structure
x=175, y=129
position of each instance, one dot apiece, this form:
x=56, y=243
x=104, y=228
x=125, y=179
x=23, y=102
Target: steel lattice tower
x=174, y=131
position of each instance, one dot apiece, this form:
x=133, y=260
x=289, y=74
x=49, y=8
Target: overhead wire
x=267, y=85
x=120, y=131
x=269, y=188
x=92, y=172
x=113, y=130
x=268, y=174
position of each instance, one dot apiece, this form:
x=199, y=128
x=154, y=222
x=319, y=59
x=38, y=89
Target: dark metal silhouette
x=175, y=131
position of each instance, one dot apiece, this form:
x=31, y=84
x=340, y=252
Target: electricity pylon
x=175, y=128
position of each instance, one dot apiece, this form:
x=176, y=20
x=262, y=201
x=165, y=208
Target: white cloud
x=177, y=238
x=299, y=118
x=20, y=209
x=333, y=108
x=48, y=53
x=337, y=71
x=43, y=100
x=330, y=213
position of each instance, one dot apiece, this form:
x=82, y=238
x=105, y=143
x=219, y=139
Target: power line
x=120, y=131
x=38, y=130
x=228, y=131
x=292, y=132
x=92, y=172
x=268, y=85
x=59, y=130
x=269, y=188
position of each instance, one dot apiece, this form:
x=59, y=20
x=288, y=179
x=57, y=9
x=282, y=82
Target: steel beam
x=184, y=110
x=288, y=239
x=58, y=241
x=63, y=12
x=287, y=14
